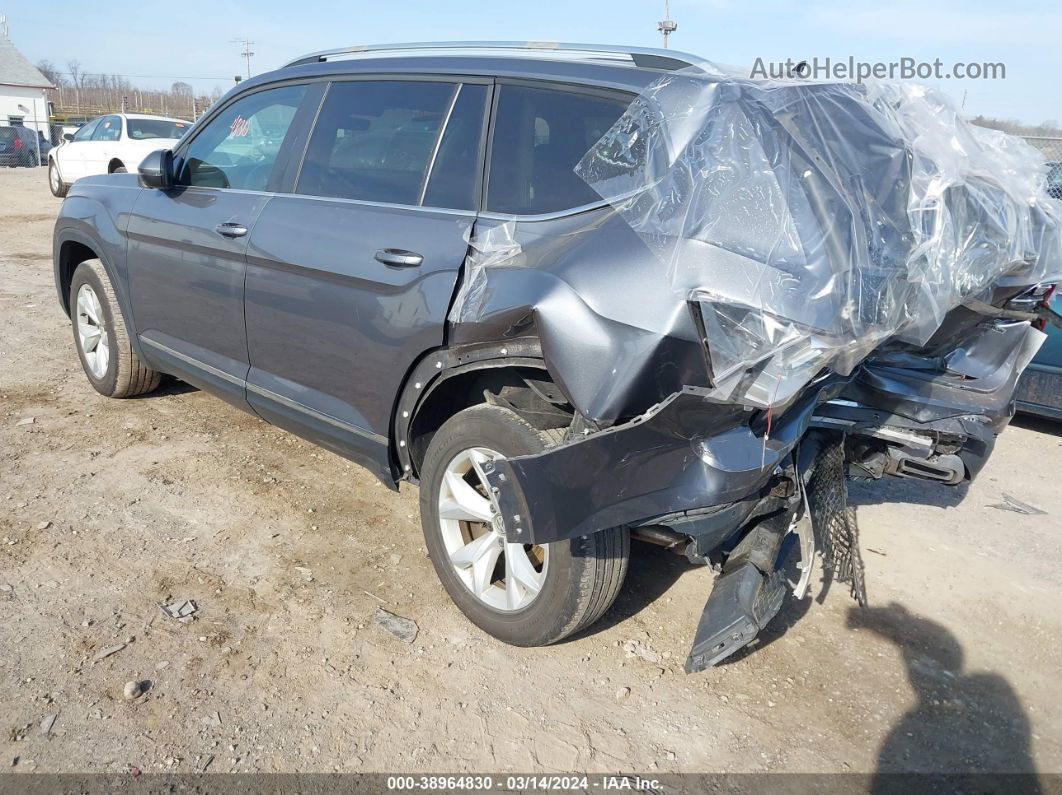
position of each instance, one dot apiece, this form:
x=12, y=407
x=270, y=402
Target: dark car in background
x=398, y=254
x=19, y=147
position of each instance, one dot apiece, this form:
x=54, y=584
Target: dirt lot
x=109, y=508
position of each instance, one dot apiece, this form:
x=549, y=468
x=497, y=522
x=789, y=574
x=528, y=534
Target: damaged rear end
x=786, y=285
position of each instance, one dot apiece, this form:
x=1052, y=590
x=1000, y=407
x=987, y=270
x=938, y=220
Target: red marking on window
x=239, y=127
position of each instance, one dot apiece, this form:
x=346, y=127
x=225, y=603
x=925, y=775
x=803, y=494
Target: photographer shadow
x=963, y=724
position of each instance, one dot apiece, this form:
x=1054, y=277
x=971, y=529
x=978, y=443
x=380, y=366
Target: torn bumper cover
x=686, y=454
x=692, y=456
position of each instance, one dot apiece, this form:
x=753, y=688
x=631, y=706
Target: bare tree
x=47, y=68
x=77, y=77
x=1015, y=127
x=180, y=89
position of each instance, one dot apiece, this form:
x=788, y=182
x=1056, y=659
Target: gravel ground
x=110, y=508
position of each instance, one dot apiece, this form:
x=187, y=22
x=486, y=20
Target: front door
x=73, y=156
x=349, y=280
x=187, y=245
x=104, y=144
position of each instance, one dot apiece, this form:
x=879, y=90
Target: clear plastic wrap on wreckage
x=811, y=223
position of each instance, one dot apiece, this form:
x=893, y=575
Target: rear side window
x=146, y=129
x=396, y=141
x=239, y=147
x=540, y=135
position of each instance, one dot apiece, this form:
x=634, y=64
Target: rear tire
x=579, y=578
x=101, y=337
x=55, y=181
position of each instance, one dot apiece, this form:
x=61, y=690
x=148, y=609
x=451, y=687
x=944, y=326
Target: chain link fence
x=1051, y=147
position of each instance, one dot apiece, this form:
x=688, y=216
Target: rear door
x=187, y=245
x=350, y=276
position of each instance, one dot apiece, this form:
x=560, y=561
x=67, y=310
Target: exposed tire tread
x=63, y=187
x=599, y=560
x=133, y=376
x=607, y=553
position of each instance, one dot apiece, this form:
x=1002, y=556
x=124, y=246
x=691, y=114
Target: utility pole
x=247, y=52
x=667, y=25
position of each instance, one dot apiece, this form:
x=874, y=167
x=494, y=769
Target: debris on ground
x=182, y=610
x=404, y=629
x=635, y=648
x=107, y=652
x=44, y=525
x=213, y=719
x=134, y=690
x=1017, y=506
x=48, y=722
x=26, y=421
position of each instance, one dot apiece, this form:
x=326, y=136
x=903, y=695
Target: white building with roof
x=22, y=88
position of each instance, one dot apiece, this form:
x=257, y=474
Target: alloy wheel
x=504, y=576
x=91, y=333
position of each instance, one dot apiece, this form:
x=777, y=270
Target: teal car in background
x=1040, y=389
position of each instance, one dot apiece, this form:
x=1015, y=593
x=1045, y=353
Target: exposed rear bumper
x=689, y=454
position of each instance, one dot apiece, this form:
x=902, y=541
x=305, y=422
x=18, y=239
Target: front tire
x=101, y=337
x=522, y=594
x=55, y=181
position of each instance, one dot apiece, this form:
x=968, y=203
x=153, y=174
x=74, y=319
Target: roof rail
x=639, y=56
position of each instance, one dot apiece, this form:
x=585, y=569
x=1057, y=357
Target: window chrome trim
x=383, y=205
x=582, y=208
x=438, y=144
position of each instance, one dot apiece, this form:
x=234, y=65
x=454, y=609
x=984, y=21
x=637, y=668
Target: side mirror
x=157, y=170
x=68, y=136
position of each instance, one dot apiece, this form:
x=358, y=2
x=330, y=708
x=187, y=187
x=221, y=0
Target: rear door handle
x=231, y=230
x=398, y=258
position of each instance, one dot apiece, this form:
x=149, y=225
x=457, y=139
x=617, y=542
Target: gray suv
x=394, y=253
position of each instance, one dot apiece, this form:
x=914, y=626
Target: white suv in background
x=118, y=142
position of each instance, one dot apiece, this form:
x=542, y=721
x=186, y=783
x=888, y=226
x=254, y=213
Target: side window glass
x=85, y=132
x=453, y=179
x=239, y=147
x=374, y=140
x=540, y=135
x=108, y=129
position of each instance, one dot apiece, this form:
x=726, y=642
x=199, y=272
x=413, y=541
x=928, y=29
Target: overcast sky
x=156, y=43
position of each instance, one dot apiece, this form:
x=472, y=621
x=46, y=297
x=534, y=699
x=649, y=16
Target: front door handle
x=231, y=230
x=398, y=258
